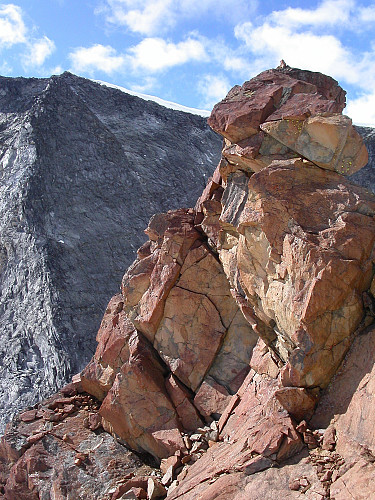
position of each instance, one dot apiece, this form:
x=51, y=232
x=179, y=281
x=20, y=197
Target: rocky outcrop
x=218, y=357
x=83, y=167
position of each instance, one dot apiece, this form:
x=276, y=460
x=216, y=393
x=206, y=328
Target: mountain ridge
x=83, y=168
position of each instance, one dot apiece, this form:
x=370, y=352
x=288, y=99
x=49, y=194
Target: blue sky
x=192, y=51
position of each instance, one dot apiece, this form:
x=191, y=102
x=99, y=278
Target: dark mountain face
x=82, y=168
x=366, y=176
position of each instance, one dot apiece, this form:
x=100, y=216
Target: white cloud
x=366, y=14
x=98, y=57
x=13, y=30
x=362, y=109
x=213, y=89
x=150, y=17
x=148, y=83
x=329, y=12
x=57, y=70
x=296, y=35
x=5, y=68
x=155, y=54
x=38, y=52
x=323, y=53
x=12, y=27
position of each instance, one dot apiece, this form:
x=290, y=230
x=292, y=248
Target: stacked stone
x=283, y=114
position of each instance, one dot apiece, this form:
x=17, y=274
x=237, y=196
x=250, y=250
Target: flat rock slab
x=329, y=141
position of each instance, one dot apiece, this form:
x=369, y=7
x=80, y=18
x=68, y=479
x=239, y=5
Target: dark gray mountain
x=82, y=168
x=366, y=176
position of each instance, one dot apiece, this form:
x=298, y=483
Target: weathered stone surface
x=301, y=106
x=296, y=401
x=138, y=409
x=329, y=141
x=112, y=352
x=358, y=482
x=93, y=462
x=264, y=485
x=182, y=401
x=304, y=258
x=202, y=273
x=257, y=433
x=239, y=115
x=189, y=335
x=263, y=362
x=211, y=398
x=350, y=399
x=147, y=283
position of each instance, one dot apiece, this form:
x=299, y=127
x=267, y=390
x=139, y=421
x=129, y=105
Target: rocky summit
x=238, y=358
x=83, y=167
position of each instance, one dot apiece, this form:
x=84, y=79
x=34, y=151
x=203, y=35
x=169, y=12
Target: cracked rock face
x=82, y=169
x=217, y=358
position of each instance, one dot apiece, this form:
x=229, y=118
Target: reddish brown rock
x=358, y=482
x=329, y=141
x=148, y=281
x=304, y=258
x=257, y=432
x=262, y=361
x=349, y=401
x=182, y=401
x=189, y=335
x=301, y=106
x=28, y=416
x=297, y=401
x=39, y=467
x=211, y=398
x=155, y=489
x=203, y=274
x=138, y=409
x=113, y=339
x=239, y=115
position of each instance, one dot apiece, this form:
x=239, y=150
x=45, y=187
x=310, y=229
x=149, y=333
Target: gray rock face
x=82, y=168
x=366, y=176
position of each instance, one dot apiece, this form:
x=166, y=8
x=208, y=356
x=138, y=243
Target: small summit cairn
x=282, y=65
x=287, y=114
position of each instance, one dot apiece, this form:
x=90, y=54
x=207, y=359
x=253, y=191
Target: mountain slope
x=82, y=169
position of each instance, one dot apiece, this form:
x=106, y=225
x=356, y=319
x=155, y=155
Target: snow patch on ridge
x=158, y=100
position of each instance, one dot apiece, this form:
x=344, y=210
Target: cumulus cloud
x=323, y=53
x=13, y=30
x=150, y=17
x=98, y=57
x=12, y=26
x=38, y=52
x=213, y=88
x=148, y=83
x=362, y=109
x=296, y=35
x=329, y=12
x=155, y=54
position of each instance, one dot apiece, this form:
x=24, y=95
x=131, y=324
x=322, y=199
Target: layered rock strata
x=218, y=355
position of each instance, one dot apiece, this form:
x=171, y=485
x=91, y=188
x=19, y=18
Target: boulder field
x=238, y=358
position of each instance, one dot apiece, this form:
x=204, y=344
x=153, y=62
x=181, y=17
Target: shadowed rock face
x=82, y=169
